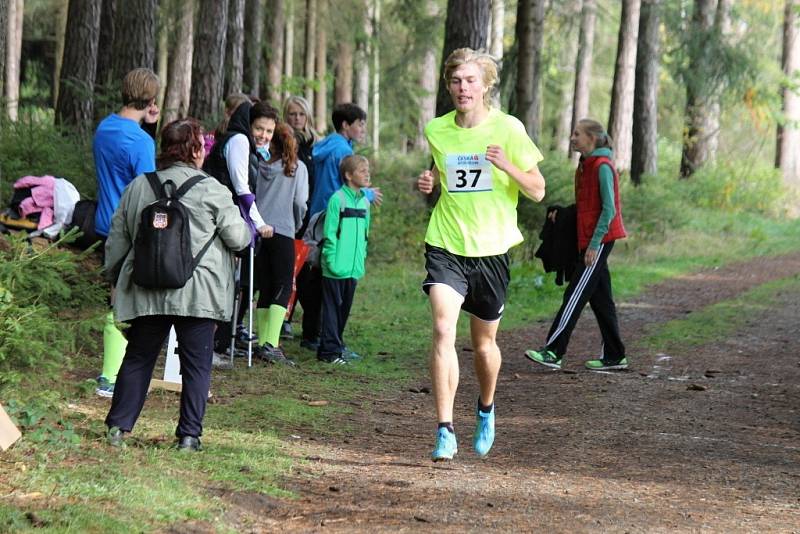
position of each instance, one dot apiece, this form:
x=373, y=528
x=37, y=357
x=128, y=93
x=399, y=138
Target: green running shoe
x=544, y=357
x=603, y=365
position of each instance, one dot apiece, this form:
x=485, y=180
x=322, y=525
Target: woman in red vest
x=599, y=225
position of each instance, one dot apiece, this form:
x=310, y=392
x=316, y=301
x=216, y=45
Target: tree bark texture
x=321, y=54
x=254, y=32
x=288, y=46
x=234, y=43
x=530, y=41
x=4, y=5
x=698, y=122
x=428, y=80
x=134, y=36
x=497, y=27
x=788, y=141
x=583, y=63
x=61, y=28
x=105, y=49
x=176, y=103
x=277, y=23
x=644, y=150
x=620, y=118
x=74, y=108
x=363, y=51
x=466, y=25
x=310, y=54
x=722, y=28
x=166, y=28
x=375, y=120
x=13, y=56
x=566, y=64
x=208, y=61
x=343, y=80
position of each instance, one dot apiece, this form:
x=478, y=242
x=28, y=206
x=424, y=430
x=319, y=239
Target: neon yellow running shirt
x=476, y=214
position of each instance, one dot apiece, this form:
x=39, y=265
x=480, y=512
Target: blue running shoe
x=446, y=445
x=484, y=432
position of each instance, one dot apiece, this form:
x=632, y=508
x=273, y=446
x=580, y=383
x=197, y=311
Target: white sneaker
x=221, y=361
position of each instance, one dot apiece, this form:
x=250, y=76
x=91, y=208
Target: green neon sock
x=262, y=320
x=114, y=345
x=273, y=330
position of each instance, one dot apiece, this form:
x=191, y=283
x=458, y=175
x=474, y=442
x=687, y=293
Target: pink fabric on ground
x=41, y=200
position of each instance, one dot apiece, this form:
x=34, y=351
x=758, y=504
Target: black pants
x=274, y=270
x=309, y=294
x=592, y=285
x=337, y=298
x=146, y=336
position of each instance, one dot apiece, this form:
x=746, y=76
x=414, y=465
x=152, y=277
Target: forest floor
x=695, y=436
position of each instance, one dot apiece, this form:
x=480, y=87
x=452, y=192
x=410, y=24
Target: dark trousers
x=309, y=293
x=593, y=285
x=274, y=269
x=337, y=298
x=146, y=336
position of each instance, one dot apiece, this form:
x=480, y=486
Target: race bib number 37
x=468, y=173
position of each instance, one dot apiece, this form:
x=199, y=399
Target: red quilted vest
x=589, y=204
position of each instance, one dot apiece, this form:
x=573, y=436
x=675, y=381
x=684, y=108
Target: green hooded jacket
x=344, y=249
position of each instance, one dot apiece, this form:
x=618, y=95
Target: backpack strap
x=196, y=260
x=188, y=184
x=155, y=183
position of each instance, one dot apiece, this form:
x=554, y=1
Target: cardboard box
x=9, y=433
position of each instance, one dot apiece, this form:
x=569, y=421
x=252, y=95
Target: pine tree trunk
x=321, y=53
x=254, y=30
x=74, y=108
x=136, y=21
x=166, y=28
x=288, y=46
x=427, y=82
x=466, y=25
x=530, y=40
x=3, y=42
x=61, y=28
x=234, y=42
x=644, y=152
x=788, y=139
x=105, y=50
x=566, y=65
x=375, y=120
x=208, y=61
x=497, y=27
x=180, y=70
x=583, y=63
x=343, y=80
x=621, y=115
x=722, y=27
x=363, y=50
x=13, y=56
x=277, y=23
x=310, y=53
x=698, y=123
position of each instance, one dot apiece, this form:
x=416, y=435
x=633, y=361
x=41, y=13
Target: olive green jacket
x=209, y=292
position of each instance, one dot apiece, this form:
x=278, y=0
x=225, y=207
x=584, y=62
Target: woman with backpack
x=281, y=196
x=217, y=229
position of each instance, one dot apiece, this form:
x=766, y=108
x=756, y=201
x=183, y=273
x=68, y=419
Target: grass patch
x=718, y=321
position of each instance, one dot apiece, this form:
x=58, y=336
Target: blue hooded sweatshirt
x=326, y=157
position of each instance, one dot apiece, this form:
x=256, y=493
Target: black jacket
x=559, y=248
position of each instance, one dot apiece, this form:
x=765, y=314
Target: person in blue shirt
x=123, y=148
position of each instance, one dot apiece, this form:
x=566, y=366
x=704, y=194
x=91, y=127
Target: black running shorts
x=481, y=281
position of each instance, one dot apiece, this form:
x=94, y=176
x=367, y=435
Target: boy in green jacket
x=344, y=252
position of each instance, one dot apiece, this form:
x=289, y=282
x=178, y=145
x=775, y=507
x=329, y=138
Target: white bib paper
x=468, y=173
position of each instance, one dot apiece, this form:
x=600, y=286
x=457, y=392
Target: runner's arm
x=427, y=180
x=531, y=182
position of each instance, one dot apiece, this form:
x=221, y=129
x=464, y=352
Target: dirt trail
x=667, y=446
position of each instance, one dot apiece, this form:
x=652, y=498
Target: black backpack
x=162, y=250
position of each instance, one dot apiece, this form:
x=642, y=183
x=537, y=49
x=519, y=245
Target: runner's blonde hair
x=485, y=62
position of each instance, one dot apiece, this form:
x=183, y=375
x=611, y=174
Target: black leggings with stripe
x=593, y=285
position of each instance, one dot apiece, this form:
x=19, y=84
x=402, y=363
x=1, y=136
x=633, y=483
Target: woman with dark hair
x=281, y=196
x=191, y=309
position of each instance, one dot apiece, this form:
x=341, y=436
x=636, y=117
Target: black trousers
x=593, y=285
x=337, y=299
x=309, y=294
x=274, y=270
x=146, y=336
